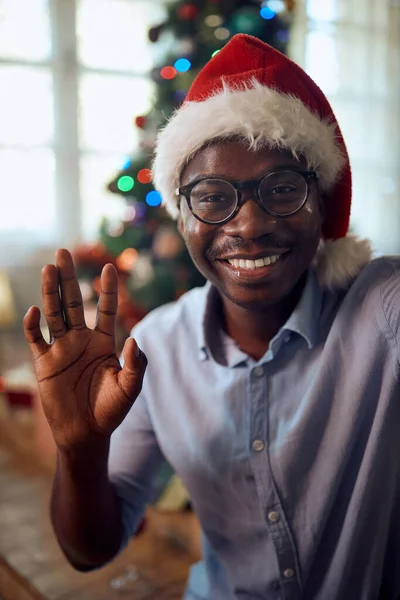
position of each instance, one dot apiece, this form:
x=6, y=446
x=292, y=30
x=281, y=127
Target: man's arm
x=85, y=510
x=86, y=395
x=390, y=299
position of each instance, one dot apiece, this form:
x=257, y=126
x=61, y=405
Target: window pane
x=322, y=61
x=95, y=172
x=26, y=106
x=25, y=29
x=113, y=34
x=28, y=186
x=322, y=11
x=367, y=144
x=107, y=107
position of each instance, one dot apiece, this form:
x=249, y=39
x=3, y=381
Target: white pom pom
x=339, y=262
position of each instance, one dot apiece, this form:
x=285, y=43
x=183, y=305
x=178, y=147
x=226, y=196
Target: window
x=351, y=48
x=73, y=75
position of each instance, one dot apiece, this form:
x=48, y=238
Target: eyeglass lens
x=282, y=193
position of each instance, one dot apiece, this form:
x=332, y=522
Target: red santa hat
x=251, y=90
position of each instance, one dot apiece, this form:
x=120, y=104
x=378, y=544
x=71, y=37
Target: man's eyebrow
x=287, y=167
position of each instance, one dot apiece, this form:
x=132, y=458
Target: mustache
x=224, y=248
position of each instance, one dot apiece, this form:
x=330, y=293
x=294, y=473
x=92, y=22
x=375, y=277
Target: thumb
x=130, y=378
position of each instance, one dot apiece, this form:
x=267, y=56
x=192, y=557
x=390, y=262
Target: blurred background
x=84, y=84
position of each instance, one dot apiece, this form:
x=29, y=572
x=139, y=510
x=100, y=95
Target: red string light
x=168, y=72
x=144, y=176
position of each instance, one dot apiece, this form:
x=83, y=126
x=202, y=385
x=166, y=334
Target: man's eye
x=283, y=189
x=213, y=199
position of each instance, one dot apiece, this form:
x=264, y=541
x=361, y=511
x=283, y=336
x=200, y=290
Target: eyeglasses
x=215, y=201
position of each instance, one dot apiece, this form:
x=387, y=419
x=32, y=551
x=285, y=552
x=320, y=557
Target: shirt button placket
x=288, y=585
x=258, y=445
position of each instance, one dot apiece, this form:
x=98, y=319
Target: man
x=274, y=390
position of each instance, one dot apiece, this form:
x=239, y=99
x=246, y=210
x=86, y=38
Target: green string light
x=125, y=183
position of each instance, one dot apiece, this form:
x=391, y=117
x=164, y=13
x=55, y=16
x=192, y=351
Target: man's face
x=252, y=233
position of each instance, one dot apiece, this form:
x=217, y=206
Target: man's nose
x=251, y=221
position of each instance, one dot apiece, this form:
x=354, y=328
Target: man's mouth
x=258, y=263
x=256, y=269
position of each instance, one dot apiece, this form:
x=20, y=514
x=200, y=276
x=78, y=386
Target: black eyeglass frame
x=238, y=186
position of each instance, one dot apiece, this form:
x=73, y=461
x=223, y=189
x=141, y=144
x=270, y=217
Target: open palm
x=83, y=389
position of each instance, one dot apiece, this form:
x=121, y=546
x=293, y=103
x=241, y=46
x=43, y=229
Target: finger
x=108, y=301
x=130, y=378
x=71, y=296
x=52, y=302
x=32, y=331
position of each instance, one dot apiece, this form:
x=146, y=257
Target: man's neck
x=253, y=330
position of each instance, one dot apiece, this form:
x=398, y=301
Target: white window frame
x=65, y=71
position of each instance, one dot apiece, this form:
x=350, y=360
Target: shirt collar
x=305, y=317
x=303, y=320
x=207, y=320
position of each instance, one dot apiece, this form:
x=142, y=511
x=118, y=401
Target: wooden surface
x=32, y=567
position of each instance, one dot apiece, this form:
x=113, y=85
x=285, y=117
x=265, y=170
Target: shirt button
x=273, y=516
x=258, y=445
x=288, y=573
x=258, y=371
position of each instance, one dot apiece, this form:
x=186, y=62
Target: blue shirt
x=292, y=462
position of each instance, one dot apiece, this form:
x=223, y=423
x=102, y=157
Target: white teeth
x=242, y=263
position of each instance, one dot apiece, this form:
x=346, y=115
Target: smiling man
x=274, y=390
x=255, y=253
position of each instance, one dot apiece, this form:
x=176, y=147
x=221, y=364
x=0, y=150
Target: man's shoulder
x=377, y=286
x=168, y=320
x=379, y=272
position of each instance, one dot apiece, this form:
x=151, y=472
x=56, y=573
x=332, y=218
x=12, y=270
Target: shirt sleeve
x=134, y=460
x=390, y=297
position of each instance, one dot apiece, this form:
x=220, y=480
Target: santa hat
x=251, y=90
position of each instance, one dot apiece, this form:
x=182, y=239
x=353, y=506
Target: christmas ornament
x=213, y=20
x=222, y=33
x=140, y=122
x=186, y=46
x=187, y=12
x=168, y=72
x=182, y=65
x=144, y=176
x=125, y=183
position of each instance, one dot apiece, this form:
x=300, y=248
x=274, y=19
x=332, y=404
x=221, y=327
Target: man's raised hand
x=84, y=391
